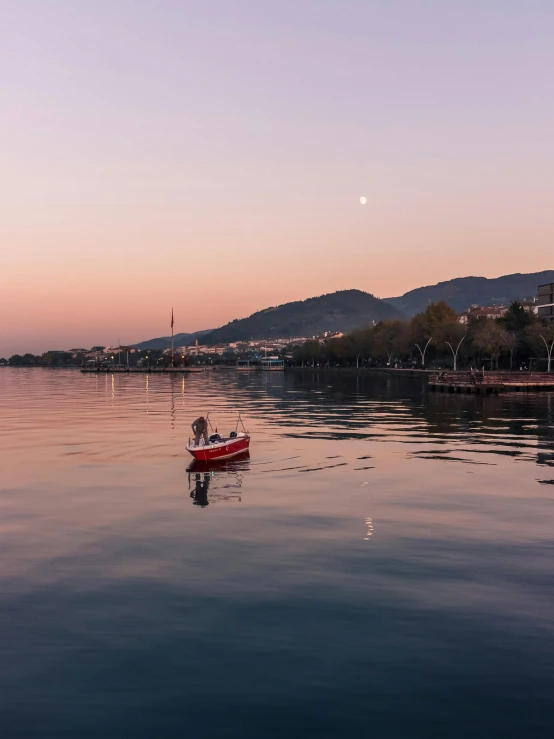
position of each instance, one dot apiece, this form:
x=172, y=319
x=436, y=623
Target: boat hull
x=225, y=450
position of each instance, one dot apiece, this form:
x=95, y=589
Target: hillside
x=463, y=292
x=164, y=341
x=340, y=311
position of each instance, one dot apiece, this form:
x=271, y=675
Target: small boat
x=221, y=447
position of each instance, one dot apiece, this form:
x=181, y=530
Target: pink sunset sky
x=211, y=156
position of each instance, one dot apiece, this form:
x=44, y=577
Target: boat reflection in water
x=222, y=480
x=201, y=486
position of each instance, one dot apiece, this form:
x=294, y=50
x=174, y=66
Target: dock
x=147, y=370
x=490, y=382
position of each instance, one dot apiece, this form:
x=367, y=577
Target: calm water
x=382, y=566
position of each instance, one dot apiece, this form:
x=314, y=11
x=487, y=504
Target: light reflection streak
x=369, y=524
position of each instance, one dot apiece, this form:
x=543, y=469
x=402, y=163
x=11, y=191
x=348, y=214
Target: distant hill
x=463, y=292
x=164, y=341
x=341, y=311
x=349, y=309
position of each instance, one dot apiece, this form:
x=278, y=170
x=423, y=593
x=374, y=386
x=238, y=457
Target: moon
x=363, y=200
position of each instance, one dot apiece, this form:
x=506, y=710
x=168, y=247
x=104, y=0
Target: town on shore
x=519, y=336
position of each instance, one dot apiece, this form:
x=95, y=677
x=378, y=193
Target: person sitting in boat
x=200, y=428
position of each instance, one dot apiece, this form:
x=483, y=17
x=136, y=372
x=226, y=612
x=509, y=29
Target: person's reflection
x=201, y=487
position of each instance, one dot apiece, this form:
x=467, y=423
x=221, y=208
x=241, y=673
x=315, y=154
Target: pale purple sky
x=211, y=156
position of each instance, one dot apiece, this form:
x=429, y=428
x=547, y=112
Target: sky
x=210, y=156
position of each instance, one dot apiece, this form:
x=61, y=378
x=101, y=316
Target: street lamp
x=422, y=351
x=549, y=350
x=455, y=353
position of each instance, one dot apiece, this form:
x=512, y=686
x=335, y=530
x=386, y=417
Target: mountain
x=463, y=292
x=341, y=311
x=164, y=341
x=349, y=309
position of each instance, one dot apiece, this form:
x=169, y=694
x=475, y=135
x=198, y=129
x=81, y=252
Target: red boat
x=221, y=447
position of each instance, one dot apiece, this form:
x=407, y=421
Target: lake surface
x=381, y=566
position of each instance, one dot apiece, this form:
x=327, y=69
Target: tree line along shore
x=434, y=338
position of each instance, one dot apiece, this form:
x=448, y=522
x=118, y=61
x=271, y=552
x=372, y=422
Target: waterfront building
x=272, y=363
x=494, y=311
x=545, y=302
x=481, y=311
x=530, y=306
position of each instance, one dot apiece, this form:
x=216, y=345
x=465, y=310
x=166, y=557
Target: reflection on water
x=201, y=486
x=369, y=525
x=224, y=478
x=381, y=563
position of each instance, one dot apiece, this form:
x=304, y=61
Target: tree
x=436, y=321
x=56, y=359
x=433, y=320
x=358, y=344
x=310, y=351
x=488, y=335
x=511, y=342
x=390, y=338
x=517, y=318
x=15, y=359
